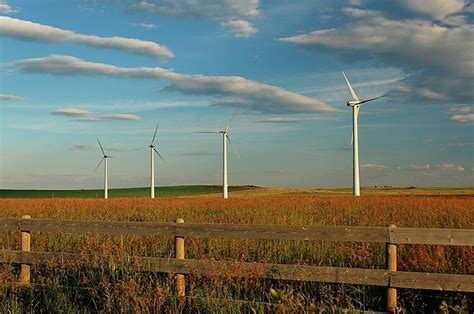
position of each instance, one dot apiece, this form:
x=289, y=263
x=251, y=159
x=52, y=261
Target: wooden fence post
x=25, y=238
x=179, y=254
x=391, y=259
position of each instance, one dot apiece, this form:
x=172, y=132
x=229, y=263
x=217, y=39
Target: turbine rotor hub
x=352, y=103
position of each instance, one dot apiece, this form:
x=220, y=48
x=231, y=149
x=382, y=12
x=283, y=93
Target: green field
x=246, y=191
x=125, y=192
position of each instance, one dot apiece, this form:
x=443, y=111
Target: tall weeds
x=74, y=288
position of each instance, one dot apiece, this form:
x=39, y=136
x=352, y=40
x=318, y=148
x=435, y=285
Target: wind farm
x=226, y=181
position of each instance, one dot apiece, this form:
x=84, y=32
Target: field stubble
x=125, y=289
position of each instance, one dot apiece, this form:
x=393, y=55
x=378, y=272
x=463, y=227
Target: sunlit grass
x=125, y=289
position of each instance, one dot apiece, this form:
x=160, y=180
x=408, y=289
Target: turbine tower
x=104, y=159
x=153, y=151
x=225, y=138
x=355, y=103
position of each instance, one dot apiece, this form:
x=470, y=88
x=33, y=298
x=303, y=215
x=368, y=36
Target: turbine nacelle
x=352, y=103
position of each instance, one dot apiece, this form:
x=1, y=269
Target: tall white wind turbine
x=225, y=138
x=104, y=159
x=153, y=151
x=355, y=103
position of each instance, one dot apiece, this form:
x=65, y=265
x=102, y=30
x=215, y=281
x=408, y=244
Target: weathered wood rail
x=390, y=235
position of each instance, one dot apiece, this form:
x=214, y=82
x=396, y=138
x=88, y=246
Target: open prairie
x=120, y=192
x=124, y=123
x=125, y=289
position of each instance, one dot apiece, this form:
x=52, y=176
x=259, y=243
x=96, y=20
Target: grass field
x=124, y=290
x=250, y=191
x=113, y=193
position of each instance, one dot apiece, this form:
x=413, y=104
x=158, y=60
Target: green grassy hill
x=125, y=192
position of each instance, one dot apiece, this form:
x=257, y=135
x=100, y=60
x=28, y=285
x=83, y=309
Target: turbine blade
x=101, y=160
x=133, y=150
x=353, y=93
x=111, y=157
x=364, y=101
x=233, y=116
x=159, y=154
x=235, y=149
x=101, y=148
x=154, y=135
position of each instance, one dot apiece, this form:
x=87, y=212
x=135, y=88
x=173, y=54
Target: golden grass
x=130, y=291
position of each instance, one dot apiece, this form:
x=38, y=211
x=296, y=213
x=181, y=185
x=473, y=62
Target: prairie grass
x=74, y=288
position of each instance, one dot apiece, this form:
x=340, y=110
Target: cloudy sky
x=74, y=71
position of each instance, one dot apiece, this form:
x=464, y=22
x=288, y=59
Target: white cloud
x=462, y=109
x=373, y=166
x=450, y=167
x=5, y=8
x=113, y=117
x=356, y=2
x=463, y=117
x=463, y=113
x=233, y=14
x=25, y=30
x=418, y=42
x=356, y=12
x=420, y=167
x=213, y=9
x=436, y=9
x=235, y=91
x=71, y=112
x=443, y=167
x=456, y=20
x=145, y=25
x=6, y=97
x=436, y=59
x=87, y=116
x=240, y=28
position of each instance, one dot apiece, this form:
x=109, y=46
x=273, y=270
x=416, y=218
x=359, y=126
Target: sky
x=75, y=71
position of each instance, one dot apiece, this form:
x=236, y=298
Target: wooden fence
x=389, y=277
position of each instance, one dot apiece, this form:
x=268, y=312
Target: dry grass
x=127, y=290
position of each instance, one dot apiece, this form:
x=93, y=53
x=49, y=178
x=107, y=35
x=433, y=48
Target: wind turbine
x=225, y=138
x=104, y=159
x=355, y=103
x=153, y=151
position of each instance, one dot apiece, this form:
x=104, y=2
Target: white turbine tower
x=225, y=138
x=355, y=104
x=153, y=151
x=104, y=159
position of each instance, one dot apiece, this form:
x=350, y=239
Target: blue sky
x=73, y=71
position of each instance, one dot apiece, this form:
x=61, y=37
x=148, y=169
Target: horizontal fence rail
x=438, y=236
x=346, y=275
x=390, y=235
